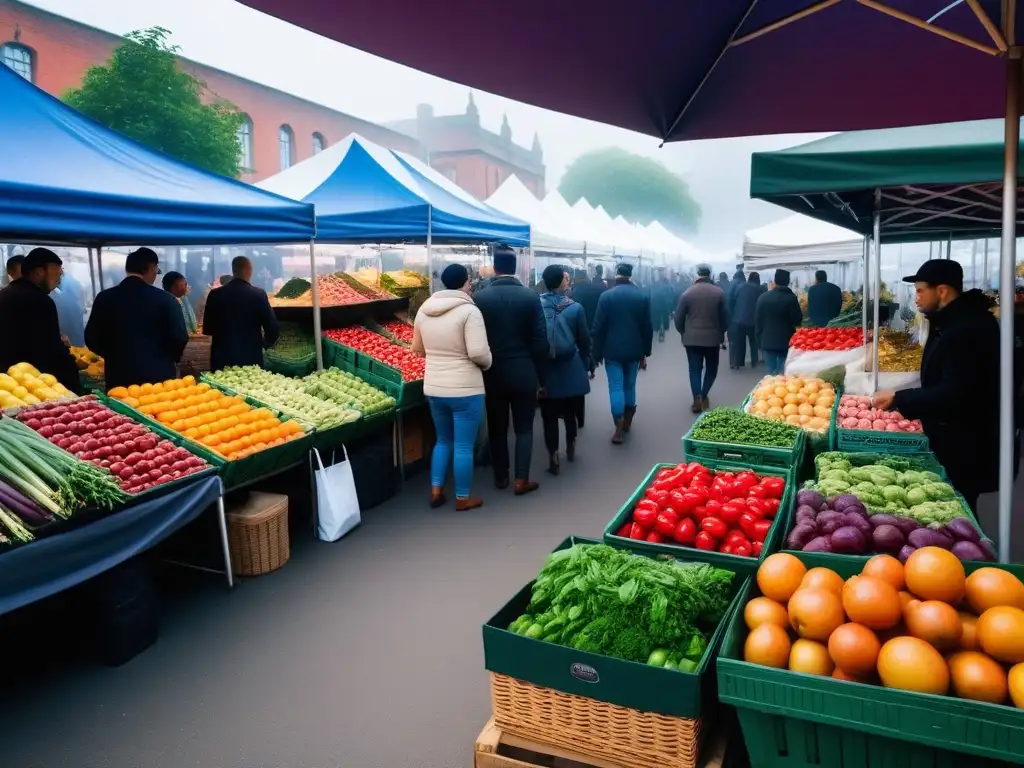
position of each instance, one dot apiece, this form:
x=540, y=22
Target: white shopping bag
x=337, y=503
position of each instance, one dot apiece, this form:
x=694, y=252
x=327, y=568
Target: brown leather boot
x=627, y=417
x=698, y=405
x=705, y=404
x=619, y=429
x=462, y=505
x=526, y=486
x=437, y=498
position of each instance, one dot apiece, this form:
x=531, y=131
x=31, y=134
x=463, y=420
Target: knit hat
x=454, y=277
x=782, y=277
x=704, y=270
x=624, y=270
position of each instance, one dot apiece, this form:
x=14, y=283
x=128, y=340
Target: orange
x=158, y=388
x=988, y=587
x=871, y=602
x=214, y=439
x=167, y=416
x=1001, y=633
x=192, y=433
x=178, y=425
x=134, y=390
x=120, y=393
x=933, y=573
x=838, y=674
x=887, y=568
x=811, y=658
x=147, y=400
x=768, y=645
x=146, y=389
x=1016, y=684
x=131, y=402
x=910, y=664
x=969, y=638
x=906, y=599
x=854, y=648
x=189, y=380
x=146, y=410
x=935, y=622
x=204, y=430
x=815, y=613
x=977, y=677
x=823, y=578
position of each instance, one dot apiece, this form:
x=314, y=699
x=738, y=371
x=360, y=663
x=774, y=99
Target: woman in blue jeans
x=449, y=332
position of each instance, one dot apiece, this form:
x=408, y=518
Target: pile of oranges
x=225, y=424
x=801, y=401
x=922, y=626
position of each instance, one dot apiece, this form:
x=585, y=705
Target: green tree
x=640, y=189
x=142, y=92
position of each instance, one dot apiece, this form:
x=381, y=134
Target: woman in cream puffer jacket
x=449, y=331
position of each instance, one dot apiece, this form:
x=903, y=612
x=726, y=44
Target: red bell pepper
x=655, y=538
x=757, y=546
x=731, y=512
x=686, y=531
x=742, y=549
x=666, y=522
x=757, y=492
x=761, y=528
x=699, y=513
x=690, y=501
x=669, y=482
x=746, y=523
x=725, y=549
x=774, y=486
x=624, y=530
x=638, y=532
x=701, y=480
x=733, y=536
x=772, y=505
x=715, y=526
x=645, y=516
x=705, y=541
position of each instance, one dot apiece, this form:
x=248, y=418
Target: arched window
x=318, y=143
x=286, y=146
x=19, y=58
x=245, y=144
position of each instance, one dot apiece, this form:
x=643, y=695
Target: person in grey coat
x=776, y=318
x=741, y=324
x=701, y=321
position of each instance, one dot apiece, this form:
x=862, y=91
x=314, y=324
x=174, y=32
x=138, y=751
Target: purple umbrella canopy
x=694, y=69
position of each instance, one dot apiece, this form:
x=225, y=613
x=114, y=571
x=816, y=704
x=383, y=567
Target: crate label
x=584, y=672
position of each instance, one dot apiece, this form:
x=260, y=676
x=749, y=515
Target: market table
x=45, y=567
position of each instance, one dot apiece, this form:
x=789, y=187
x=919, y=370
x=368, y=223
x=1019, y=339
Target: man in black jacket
x=741, y=329
x=518, y=337
x=28, y=317
x=587, y=293
x=776, y=317
x=824, y=300
x=136, y=328
x=958, y=400
x=239, y=319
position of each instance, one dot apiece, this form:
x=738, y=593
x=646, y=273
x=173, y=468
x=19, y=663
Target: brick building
x=476, y=159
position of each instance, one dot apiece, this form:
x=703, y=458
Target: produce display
x=368, y=290
x=23, y=385
x=398, y=329
x=693, y=506
x=293, y=289
x=412, y=367
x=88, y=362
x=731, y=425
x=804, y=402
x=40, y=482
x=403, y=279
x=295, y=344
x=826, y=338
x=856, y=412
x=138, y=458
x=898, y=352
x=226, y=425
x=843, y=525
x=597, y=599
x=923, y=626
x=850, y=316
x=332, y=290
x=921, y=495
x=349, y=391
x=288, y=396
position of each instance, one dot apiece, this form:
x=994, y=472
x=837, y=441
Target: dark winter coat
x=587, y=293
x=568, y=377
x=701, y=315
x=31, y=333
x=745, y=302
x=516, y=333
x=958, y=400
x=776, y=317
x=824, y=301
x=622, y=330
x=730, y=295
x=241, y=323
x=139, y=332
x=662, y=298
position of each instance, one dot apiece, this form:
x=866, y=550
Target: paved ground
x=361, y=654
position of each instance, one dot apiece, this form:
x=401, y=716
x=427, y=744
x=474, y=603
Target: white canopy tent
x=799, y=239
x=673, y=246
x=546, y=234
x=600, y=225
x=559, y=210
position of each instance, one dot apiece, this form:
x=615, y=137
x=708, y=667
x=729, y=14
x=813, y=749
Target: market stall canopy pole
x=318, y=339
x=708, y=69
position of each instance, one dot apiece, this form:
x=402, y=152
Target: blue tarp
x=364, y=193
x=66, y=179
x=43, y=568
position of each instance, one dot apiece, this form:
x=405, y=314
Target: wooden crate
x=497, y=749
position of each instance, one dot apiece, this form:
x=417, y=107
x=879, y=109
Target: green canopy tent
x=917, y=184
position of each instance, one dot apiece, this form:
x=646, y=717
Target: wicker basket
x=605, y=731
x=195, y=360
x=258, y=534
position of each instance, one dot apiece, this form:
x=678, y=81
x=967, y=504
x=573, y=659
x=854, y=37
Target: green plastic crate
x=293, y=369
x=793, y=720
x=756, y=455
x=816, y=443
x=736, y=563
x=615, y=681
x=859, y=440
x=407, y=394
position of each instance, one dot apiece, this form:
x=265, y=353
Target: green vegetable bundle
x=597, y=599
x=921, y=462
x=732, y=425
x=294, y=345
x=293, y=289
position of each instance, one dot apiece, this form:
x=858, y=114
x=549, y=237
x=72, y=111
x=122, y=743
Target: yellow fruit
x=19, y=392
x=31, y=399
x=811, y=658
x=1016, y=683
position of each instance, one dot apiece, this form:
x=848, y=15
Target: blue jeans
x=703, y=363
x=456, y=421
x=621, y=385
x=776, y=362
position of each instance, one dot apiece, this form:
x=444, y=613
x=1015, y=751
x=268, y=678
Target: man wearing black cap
x=622, y=337
x=136, y=328
x=518, y=337
x=29, y=322
x=776, y=318
x=958, y=400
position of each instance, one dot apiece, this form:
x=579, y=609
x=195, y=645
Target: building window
x=18, y=58
x=245, y=144
x=286, y=146
x=318, y=143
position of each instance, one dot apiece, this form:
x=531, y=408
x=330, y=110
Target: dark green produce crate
x=756, y=455
x=816, y=443
x=859, y=440
x=927, y=458
x=407, y=394
x=793, y=720
x=615, y=681
x=737, y=563
x=234, y=474
x=293, y=369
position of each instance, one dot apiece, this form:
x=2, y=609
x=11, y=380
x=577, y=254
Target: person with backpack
x=565, y=372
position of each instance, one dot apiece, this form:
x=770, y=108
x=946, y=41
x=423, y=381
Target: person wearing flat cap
x=622, y=336
x=701, y=319
x=28, y=317
x=777, y=315
x=958, y=400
